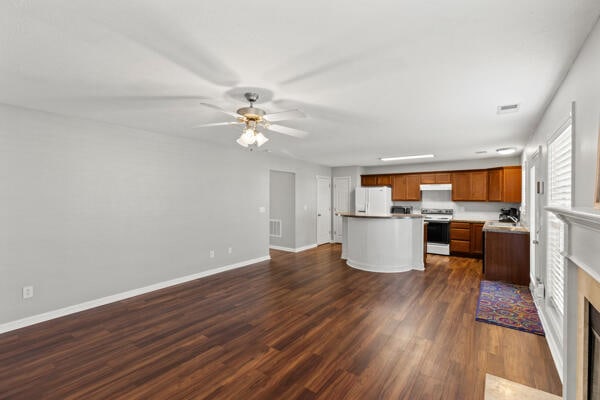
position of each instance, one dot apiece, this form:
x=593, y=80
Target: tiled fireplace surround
x=582, y=250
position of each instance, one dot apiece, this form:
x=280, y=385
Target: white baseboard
x=61, y=312
x=553, y=344
x=293, y=250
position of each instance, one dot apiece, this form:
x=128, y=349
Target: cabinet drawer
x=460, y=234
x=460, y=225
x=460, y=246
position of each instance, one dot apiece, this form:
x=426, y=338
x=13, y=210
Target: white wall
x=88, y=210
x=282, y=207
x=581, y=85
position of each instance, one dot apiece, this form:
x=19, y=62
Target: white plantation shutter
x=559, y=195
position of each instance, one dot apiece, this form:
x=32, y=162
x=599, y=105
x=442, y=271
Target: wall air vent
x=508, y=108
x=275, y=228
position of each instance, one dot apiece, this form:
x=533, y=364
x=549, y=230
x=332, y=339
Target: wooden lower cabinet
x=477, y=239
x=466, y=238
x=506, y=257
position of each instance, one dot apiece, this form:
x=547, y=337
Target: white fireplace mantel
x=583, y=237
x=582, y=250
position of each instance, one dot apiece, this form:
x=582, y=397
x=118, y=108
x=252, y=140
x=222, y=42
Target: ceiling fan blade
x=214, y=107
x=287, y=131
x=284, y=115
x=218, y=124
x=150, y=28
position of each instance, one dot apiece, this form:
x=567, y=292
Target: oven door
x=438, y=232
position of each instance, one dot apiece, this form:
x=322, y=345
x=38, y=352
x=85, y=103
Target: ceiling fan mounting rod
x=251, y=97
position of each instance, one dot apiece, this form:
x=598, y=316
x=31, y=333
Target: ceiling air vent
x=508, y=108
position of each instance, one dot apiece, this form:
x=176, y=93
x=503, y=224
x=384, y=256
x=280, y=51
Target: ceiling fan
x=253, y=118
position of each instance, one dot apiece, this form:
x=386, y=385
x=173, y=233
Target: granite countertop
x=363, y=215
x=475, y=220
x=504, y=227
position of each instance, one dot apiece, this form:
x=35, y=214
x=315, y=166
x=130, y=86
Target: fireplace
x=579, y=349
x=593, y=373
x=588, y=338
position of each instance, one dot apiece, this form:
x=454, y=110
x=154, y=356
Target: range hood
x=437, y=186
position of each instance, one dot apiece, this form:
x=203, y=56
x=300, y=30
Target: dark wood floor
x=302, y=326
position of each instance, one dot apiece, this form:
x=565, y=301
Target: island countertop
x=363, y=215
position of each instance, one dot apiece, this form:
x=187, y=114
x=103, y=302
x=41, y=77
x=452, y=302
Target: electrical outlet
x=211, y=254
x=230, y=250
x=27, y=292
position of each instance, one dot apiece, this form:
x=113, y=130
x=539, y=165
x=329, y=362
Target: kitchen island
x=383, y=243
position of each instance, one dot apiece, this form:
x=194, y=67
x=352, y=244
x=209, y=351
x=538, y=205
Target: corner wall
x=89, y=210
x=582, y=86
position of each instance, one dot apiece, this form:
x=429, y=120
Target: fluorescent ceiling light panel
x=506, y=150
x=406, y=157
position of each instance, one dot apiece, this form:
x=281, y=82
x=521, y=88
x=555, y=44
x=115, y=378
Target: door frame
x=328, y=178
x=333, y=217
x=536, y=190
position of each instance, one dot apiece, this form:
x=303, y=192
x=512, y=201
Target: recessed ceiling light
x=506, y=150
x=406, y=157
x=481, y=152
x=508, y=108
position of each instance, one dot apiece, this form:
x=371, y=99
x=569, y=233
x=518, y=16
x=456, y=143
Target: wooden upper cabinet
x=504, y=184
x=479, y=185
x=413, y=187
x=384, y=180
x=436, y=177
x=443, y=177
x=368, y=180
x=512, y=184
x=398, y=187
x=495, y=178
x=461, y=186
x=427, y=178
x=469, y=186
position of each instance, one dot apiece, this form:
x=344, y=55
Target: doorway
x=341, y=203
x=323, y=209
x=536, y=189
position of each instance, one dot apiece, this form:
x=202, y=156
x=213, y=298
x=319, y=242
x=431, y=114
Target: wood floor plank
x=300, y=326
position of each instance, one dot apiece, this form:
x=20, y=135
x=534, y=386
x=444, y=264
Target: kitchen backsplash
x=462, y=209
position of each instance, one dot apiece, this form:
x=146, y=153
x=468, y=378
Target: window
x=559, y=195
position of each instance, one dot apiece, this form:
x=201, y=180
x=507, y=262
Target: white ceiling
x=376, y=78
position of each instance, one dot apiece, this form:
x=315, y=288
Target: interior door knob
x=318, y=215
x=535, y=242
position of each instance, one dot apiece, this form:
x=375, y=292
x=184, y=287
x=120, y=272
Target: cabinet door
x=479, y=180
x=477, y=239
x=459, y=246
x=512, y=184
x=368, y=180
x=384, y=180
x=413, y=187
x=443, y=177
x=428, y=178
x=495, y=184
x=399, y=187
x=461, y=186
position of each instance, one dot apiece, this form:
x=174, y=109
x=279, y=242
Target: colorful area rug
x=508, y=305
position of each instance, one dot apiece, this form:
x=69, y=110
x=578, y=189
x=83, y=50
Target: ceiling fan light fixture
x=261, y=139
x=242, y=141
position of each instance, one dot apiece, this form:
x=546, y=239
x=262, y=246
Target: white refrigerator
x=373, y=200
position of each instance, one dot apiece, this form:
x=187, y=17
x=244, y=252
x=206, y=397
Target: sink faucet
x=513, y=219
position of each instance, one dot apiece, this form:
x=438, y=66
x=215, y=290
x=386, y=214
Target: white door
x=535, y=192
x=341, y=203
x=323, y=209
